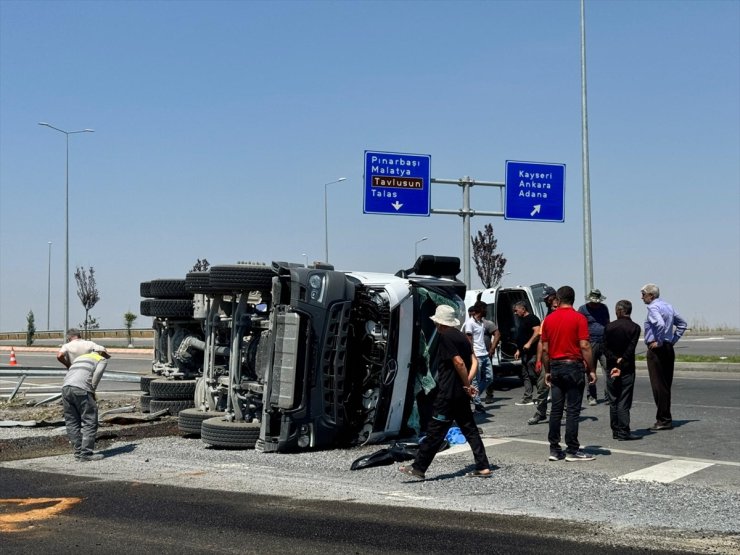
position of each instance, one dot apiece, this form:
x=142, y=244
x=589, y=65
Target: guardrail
x=30, y=371
x=147, y=333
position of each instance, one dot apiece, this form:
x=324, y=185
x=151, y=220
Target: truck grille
x=334, y=362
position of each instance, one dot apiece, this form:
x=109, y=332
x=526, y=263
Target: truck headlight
x=316, y=288
x=304, y=436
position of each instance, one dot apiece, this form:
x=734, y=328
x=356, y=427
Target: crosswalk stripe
x=461, y=448
x=666, y=472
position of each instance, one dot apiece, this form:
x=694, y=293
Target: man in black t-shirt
x=456, y=369
x=527, y=338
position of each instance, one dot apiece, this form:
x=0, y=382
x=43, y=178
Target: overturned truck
x=297, y=357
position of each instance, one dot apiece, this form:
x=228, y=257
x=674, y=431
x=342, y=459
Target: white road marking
x=666, y=472
x=487, y=441
x=404, y=495
x=624, y=452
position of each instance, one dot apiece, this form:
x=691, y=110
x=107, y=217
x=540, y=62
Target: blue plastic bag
x=455, y=437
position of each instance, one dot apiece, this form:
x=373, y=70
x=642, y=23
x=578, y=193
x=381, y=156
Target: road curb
x=698, y=366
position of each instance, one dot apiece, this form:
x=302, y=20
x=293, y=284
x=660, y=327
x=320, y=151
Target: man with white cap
x=597, y=315
x=456, y=369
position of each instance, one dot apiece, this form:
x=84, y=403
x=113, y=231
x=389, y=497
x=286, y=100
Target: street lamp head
x=341, y=179
x=89, y=130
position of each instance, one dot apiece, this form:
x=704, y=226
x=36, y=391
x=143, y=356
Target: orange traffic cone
x=13, y=362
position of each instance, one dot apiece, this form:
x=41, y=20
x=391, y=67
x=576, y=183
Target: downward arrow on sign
x=536, y=209
x=397, y=205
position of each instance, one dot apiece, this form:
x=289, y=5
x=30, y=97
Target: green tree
x=201, y=265
x=128, y=321
x=92, y=324
x=30, y=328
x=88, y=293
x=488, y=263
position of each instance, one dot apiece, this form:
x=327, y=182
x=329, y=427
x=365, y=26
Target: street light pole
x=48, y=291
x=66, y=221
x=416, y=245
x=326, y=217
x=588, y=265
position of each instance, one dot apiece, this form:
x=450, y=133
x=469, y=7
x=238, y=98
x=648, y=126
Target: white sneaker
x=579, y=456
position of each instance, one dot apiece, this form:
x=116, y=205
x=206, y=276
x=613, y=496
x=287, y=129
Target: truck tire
x=221, y=433
x=242, y=277
x=189, y=420
x=144, y=402
x=144, y=382
x=145, y=289
x=169, y=289
x=197, y=282
x=167, y=308
x=174, y=406
x=172, y=389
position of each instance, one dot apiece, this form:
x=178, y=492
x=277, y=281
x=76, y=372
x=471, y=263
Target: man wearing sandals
x=456, y=370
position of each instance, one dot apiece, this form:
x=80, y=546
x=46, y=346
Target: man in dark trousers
x=566, y=355
x=550, y=298
x=80, y=403
x=597, y=315
x=456, y=369
x=620, y=340
x=527, y=338
x=663, y=328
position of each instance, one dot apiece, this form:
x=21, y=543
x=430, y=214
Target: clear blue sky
x=217, y=124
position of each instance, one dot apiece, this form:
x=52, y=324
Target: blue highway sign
x=397, y=183
x=535, y=191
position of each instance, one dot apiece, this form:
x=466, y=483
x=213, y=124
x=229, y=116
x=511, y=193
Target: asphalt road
x=48, y=513
x=173, y=495
x=713, y=345
x=706, y=410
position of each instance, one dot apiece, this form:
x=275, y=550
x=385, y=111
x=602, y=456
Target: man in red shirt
x=566, y=356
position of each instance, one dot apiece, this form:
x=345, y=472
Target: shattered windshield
x=428, y=300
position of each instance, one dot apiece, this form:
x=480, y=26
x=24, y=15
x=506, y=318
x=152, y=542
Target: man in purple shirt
x=663, y=328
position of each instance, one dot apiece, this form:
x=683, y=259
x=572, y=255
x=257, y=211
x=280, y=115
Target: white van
x=500, y=309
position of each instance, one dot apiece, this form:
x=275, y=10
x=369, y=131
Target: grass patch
x=700, y=358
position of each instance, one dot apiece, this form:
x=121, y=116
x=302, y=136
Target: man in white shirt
x=75, y=347
x=80, y=404
x=475, y=330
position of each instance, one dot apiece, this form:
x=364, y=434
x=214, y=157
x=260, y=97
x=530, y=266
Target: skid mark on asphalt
x=665, y=472
x=19, y=514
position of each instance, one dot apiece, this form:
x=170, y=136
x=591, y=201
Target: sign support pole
x=466, y=213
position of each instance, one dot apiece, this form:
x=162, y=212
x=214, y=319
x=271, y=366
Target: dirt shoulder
x=49, y=438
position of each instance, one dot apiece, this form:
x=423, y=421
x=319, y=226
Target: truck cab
x=349, y=351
